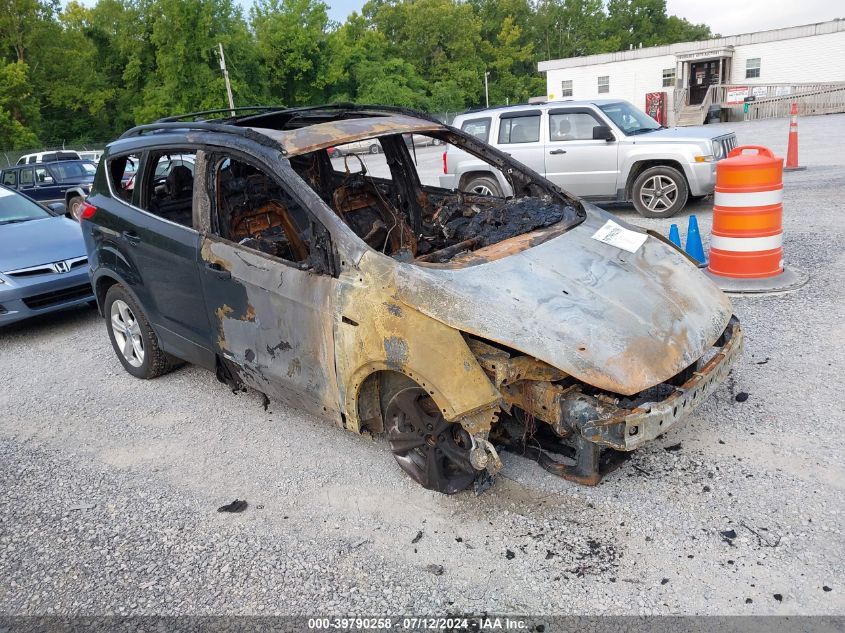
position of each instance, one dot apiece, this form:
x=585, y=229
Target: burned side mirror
x=603, y=133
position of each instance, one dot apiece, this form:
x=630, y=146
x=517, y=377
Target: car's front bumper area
x=629, y=429
x=586, y=420
x=21, y=298
x=702, y=178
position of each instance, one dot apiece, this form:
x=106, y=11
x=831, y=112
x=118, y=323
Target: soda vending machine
x=655, y=106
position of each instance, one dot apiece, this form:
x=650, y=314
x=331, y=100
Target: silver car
x=600, y=150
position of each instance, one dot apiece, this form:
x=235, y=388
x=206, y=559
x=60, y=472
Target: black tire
x=74, y=207
x=659, y=192
x=483, y=186
x=154, y=362
x=436, y=141
x=433, y=451
x=374, y=149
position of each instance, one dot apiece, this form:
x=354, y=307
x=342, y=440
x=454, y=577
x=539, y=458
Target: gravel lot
x=111, y=484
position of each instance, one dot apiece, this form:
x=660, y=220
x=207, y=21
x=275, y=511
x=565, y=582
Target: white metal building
x=769, y=69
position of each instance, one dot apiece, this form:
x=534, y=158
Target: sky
x=726, y=17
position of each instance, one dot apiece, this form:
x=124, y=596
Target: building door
x=702, y=76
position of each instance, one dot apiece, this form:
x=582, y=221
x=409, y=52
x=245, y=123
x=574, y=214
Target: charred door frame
x=274, y=321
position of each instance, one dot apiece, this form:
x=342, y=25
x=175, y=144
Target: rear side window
x=26, y=177
x=169, y=186
x=121, y=173
x=479, y=128
x=519, y=129
x=43, y=176
x=9, y=179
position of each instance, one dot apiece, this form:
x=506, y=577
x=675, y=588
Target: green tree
x=571, y=28
x=18, y=107
x=635, y=23
x=291, y=40
x=186, y=75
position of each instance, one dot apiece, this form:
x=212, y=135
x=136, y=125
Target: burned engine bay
x=414, y=223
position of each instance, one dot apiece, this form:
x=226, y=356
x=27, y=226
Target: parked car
x=368, y=146
x=43, y=265
x=420, y=140
x=67, y=181
x=92, y=155
x=600, y=150
x=48, y=157
x=449, y=322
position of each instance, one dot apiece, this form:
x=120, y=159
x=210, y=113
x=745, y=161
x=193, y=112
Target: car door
x=48, y=187
x=9, y=177
x=26, y=184
x=519, y=134
x=159, y=245
x=574, y=160
x=268, y=293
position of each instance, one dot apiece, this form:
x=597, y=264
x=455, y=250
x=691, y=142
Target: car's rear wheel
x=74, y=207
x=132, y=338
x=660, y=192
x=433, y=451
x=483, y=186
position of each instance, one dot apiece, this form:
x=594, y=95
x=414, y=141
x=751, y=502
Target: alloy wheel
x=127, y=333
x=658, y=193
x=430, y=449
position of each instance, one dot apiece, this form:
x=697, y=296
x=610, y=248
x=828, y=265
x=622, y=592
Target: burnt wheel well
x=371, y=392
x=641, y=166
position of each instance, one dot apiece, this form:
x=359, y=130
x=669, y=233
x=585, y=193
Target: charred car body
x=448, y=321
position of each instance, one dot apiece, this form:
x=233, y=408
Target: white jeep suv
x=604, y=150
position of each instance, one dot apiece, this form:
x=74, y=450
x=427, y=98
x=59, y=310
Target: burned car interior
x=411, y=222
x=254, y=211
x=402, y=218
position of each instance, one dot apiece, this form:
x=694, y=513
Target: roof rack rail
x=180, y=117
x=352, y=107
x=207, y=126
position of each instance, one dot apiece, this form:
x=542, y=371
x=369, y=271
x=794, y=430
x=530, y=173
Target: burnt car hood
x=616, y=320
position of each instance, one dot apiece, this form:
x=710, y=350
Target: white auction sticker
x=620, y=237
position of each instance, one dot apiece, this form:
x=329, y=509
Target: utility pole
x=486, y=94
x=226, y=77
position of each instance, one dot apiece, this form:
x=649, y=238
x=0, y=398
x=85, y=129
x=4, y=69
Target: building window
x=604, y=84
x=668, y=77
x=566, y=88
x=752, y=68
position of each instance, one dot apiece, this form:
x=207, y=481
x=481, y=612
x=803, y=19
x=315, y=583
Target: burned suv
x=356, y=288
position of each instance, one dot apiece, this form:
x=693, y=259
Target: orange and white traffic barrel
x=746, y=245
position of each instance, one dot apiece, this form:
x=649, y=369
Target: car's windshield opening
x=629, y=119
x=394, y=200
x=16, y=208
x=70, y=170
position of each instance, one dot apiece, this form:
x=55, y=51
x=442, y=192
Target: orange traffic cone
x=792, y=148
x=746, y=246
